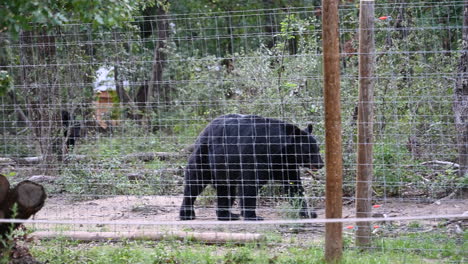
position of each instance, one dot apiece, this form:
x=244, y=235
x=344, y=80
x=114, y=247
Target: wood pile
x=19, y=202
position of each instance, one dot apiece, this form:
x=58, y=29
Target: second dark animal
x=71, y=129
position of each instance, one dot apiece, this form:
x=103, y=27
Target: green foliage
x=290, y=207
x=7, y=240
x=92, y=183
x=208, y=197
x=440, y=246
x=298, y=34
x=243, y=255
x=109, y=177
x=391, y=172
x=397, y=173
x=106, y=168
x=18, y=15
x=6, y=82
x=441, y=182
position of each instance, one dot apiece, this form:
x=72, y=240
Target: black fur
x=71, y=129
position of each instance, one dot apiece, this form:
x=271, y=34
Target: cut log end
x=30, y=195
x=21, y=202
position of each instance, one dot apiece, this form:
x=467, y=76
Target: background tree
x=41, y=99
x=460, y=106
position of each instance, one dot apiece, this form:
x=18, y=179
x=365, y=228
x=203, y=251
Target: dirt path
x=133, y=209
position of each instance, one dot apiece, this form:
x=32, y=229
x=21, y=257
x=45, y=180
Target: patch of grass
x=428, y=245
x=415, y=224
x=412, y=248
x=155, y=164
x=110, y=175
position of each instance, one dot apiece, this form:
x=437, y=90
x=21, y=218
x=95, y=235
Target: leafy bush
x=391, y=172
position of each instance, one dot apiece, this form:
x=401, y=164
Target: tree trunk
x=271, y=24
x=141, y=99
x=460, y=105
x=38, y=48
x=157, y=90
x=124, y=98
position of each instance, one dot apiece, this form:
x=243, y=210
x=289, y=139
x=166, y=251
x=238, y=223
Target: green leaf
x=99, y=19
x=5, y=82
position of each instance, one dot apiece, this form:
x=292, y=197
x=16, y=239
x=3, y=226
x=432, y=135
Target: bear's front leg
x=295, y=192
x=191, y=191
x=187, y=213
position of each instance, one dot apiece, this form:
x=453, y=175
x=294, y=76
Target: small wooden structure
x=104, y=106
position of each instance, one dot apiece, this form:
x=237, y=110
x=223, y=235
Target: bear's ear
x=293, y=130
x=309, y=129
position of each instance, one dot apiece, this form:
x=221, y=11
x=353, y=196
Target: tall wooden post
x=365, y=122
x=333, y=149
x=460, y=104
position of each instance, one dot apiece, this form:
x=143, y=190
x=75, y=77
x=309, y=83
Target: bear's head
x=305, y=149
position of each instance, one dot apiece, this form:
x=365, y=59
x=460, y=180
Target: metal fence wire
x=110, y=120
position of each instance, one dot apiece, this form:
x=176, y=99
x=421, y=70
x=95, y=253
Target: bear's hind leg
x=226, y=195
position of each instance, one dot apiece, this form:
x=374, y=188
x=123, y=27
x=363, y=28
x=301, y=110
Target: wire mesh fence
x=108, y=119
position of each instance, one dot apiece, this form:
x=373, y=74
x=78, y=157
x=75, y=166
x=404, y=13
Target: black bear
x=241, y=153
x=71, y=129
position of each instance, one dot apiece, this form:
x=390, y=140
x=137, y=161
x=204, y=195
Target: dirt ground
x=164, y=209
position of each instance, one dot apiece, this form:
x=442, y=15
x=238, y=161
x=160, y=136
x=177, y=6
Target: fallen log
x=7, y=162
x=142, y=156
x=207, y=238
x=31, y=161
x=150, y=156
x=43, y=178
x=140, y=174
x=441, y=163
x=28, y=160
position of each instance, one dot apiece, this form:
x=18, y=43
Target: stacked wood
x=20, y=202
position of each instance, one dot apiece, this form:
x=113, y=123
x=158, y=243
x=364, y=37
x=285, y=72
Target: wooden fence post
x=365, y=122
x=333, y=149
